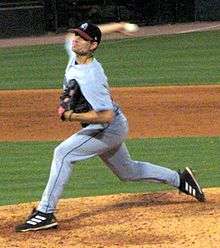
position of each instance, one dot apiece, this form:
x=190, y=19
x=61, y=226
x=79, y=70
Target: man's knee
x=124, y=178
x=62, y=154
x=126, y=173
x=58, y=151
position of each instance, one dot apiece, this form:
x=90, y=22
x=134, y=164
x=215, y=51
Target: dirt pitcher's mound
x=164, y=219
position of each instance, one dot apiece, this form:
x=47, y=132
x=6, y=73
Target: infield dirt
x=151, y=111
x=164, y=219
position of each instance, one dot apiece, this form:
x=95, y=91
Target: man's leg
x=83, y=145
x=119, y=161
x=80, y=146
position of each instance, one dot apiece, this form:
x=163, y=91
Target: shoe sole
x=195, y=181
x=53, y=225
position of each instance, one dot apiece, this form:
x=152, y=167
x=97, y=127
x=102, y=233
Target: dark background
x=24, y=18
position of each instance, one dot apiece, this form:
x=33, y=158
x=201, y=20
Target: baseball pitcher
x=86, y=99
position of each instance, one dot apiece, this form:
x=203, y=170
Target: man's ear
x=94, y=45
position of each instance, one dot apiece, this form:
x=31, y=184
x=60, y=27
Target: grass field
x=191, y=58
x=25, y=167
x=167, y=60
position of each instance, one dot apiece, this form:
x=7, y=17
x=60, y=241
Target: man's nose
x=76, y=40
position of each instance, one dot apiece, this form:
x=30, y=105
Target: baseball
x=130, y=27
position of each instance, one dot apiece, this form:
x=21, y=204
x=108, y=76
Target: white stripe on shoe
x=186, y=186
x=40, y=217
x=190, y=189
x=36, y=220
x=194, y=192
x=31, y=222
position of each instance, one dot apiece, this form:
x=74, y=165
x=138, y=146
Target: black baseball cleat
x=190, y=186
x=38, y=221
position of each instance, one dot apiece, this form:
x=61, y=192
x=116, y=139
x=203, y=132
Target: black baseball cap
x=88, y=31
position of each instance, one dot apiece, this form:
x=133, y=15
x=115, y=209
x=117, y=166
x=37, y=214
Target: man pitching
x=86, y=98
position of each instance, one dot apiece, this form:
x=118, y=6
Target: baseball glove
x=73, y=99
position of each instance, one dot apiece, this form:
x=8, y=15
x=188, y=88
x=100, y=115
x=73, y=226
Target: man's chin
x=80, y=53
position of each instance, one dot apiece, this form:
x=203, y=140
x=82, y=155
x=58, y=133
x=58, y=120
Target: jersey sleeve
x=68, y=47
x=71, y=54
x=98, y=96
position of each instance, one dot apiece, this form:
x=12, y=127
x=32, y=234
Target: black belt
x=117, y=112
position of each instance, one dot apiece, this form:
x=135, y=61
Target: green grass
x=32, y=67
x=24, y=167
x=192, y=58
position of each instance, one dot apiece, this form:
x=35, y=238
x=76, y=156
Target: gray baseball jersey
x=104, y=140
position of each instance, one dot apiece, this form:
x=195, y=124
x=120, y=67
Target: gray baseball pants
x=108, y=143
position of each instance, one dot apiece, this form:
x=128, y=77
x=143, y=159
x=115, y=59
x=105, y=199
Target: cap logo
x=84, y=26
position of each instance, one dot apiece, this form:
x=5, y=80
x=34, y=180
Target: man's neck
x=84, y=59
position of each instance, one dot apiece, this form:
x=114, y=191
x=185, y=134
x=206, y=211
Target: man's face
x=83, y=47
